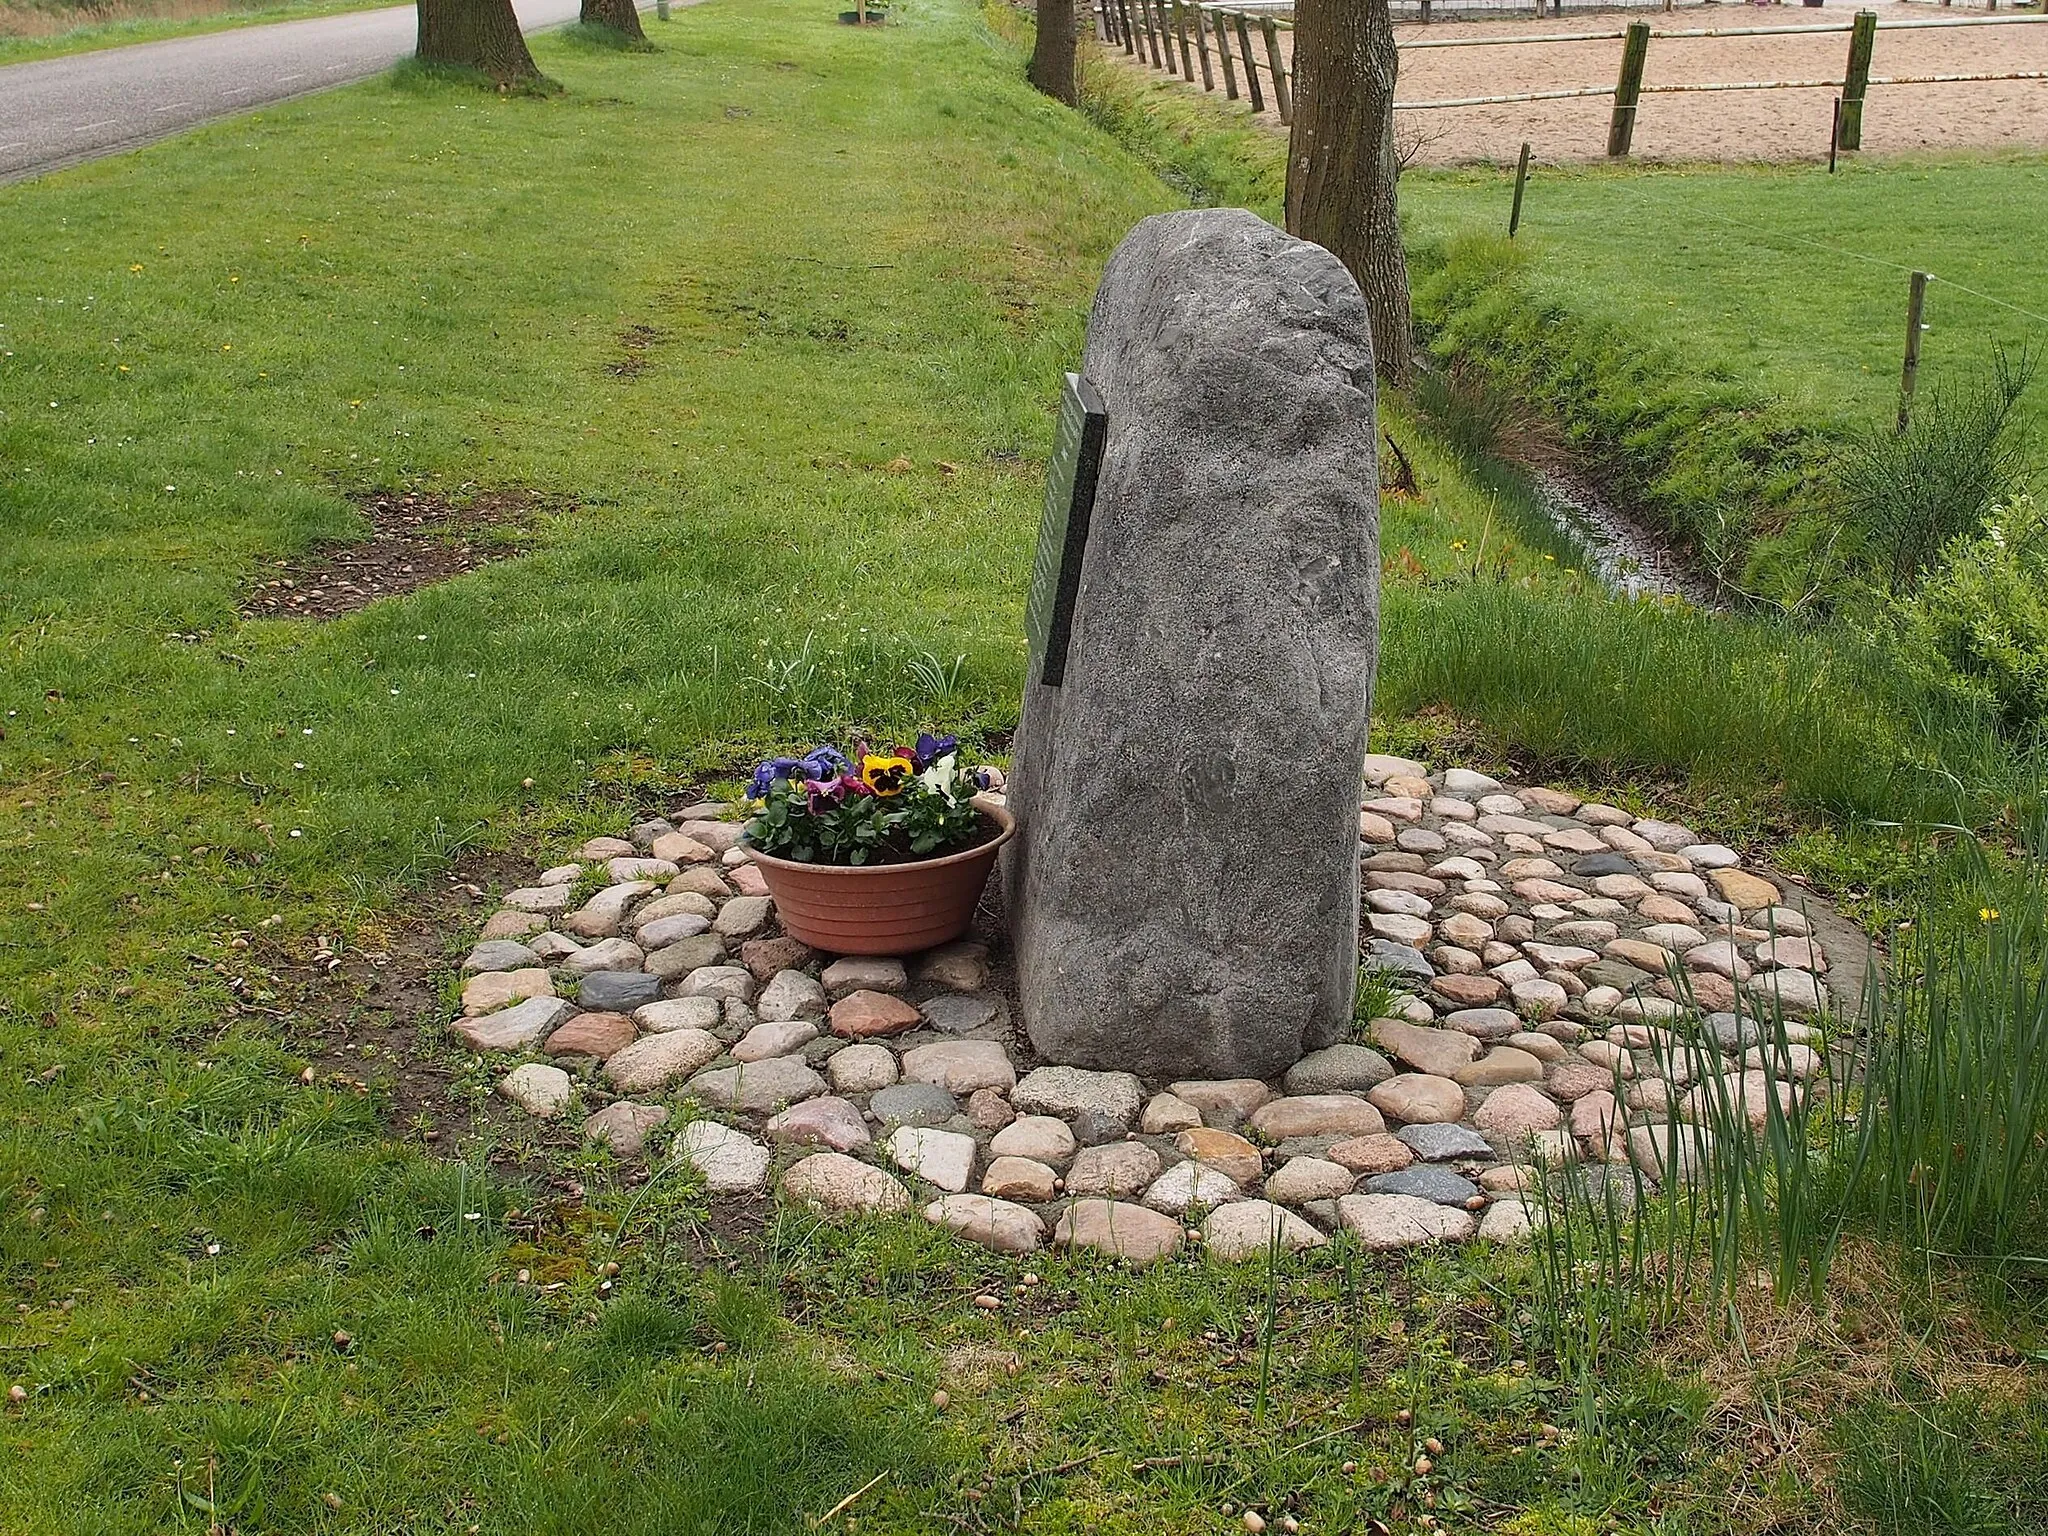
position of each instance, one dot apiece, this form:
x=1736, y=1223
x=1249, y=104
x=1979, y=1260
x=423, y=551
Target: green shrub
x=1978, y=628
x=1908, y=494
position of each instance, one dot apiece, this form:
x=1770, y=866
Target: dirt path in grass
x=1718, y=125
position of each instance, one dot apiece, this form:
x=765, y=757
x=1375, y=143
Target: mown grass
x=851, y=264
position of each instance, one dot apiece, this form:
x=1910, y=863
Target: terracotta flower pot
x=883, y=909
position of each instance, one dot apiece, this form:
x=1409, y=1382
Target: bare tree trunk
x=476, y=34
x=1341, y=162
x=622, y=16
x=1052, y=56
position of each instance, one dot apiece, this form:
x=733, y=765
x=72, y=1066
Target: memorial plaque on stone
x=1063, y=532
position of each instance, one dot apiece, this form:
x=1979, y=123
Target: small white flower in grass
x=306, y=731
x=213, y=1250
x=419, y=637
x=297, y=833
x=394, y=693
x=299, y=765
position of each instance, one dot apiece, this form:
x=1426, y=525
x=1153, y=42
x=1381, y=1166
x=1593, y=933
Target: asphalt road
x=58, y=112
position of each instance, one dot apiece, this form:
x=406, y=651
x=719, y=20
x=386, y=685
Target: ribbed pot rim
x=998, y=814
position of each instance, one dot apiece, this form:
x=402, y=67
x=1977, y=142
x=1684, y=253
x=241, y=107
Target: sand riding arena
x=1692, y=107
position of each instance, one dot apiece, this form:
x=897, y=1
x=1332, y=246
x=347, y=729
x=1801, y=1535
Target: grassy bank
x=755, y=336
x=1786, y=278
x=1716, y=385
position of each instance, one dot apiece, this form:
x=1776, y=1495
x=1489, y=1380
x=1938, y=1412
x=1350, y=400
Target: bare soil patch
x=362, y=1010
x=416, y=538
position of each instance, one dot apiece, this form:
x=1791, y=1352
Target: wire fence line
x=1173, y=35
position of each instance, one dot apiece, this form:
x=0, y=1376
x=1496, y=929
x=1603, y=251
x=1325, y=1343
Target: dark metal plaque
x=1063, y=534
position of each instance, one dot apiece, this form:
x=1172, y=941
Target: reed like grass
x=1927, y=1128
x=1957, y=1084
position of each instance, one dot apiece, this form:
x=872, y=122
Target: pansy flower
x=930, y=749
x=822, y=794
x=820, y=763
x=825, y=763
x=766, y=775
x=886, y=775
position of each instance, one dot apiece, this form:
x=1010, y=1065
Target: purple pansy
x=825, y=763
x=766, y=775
x=930, y=749
x=820, y=763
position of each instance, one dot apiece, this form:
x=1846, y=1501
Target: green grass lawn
x=1786, y=277
x=30, y=31
x=768, y=323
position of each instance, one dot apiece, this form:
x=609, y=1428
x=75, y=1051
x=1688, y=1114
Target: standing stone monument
x=1183, y=889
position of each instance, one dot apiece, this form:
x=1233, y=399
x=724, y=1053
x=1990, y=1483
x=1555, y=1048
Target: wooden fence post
x=1202, y=44
x=1251, y=65
x=1916, y=299
x=1108, y=22
x=1862, y=41
x=1283, y=96
x=1180, y=31
x=1222, y=26
x=1123, y=16
x=1152, y=29
x=1521, y=181
x=1628, y=90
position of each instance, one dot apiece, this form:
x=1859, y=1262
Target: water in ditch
x=1626, y=556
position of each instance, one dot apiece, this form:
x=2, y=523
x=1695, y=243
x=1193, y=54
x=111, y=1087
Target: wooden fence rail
x=1160, y=24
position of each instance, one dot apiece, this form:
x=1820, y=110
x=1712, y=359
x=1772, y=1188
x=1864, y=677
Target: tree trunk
x=1052, y=56
x=1341, y=161
x=482, y=35
x=622, y=16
